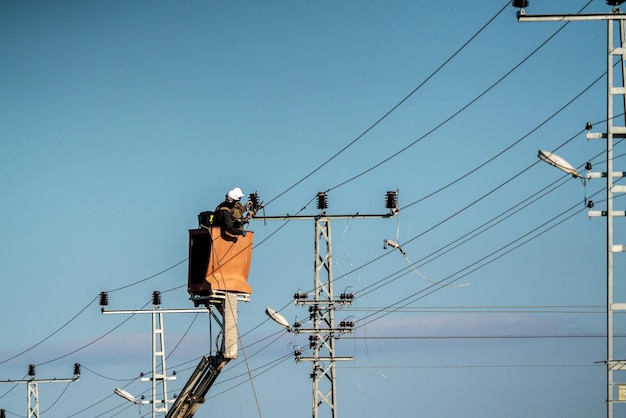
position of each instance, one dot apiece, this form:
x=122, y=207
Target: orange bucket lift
x=218, y=265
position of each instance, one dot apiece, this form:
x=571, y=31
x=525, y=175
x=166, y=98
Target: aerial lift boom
x=217, y=278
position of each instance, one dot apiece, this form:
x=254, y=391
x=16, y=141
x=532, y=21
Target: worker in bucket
x=229, y=215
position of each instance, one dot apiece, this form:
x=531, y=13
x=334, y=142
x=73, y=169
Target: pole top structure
x=616, y=14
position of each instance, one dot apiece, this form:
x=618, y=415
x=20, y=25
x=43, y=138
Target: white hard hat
x=235, y=194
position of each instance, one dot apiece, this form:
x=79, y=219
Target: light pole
x=615, y=92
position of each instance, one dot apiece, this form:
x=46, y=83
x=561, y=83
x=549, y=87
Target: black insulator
x=588, y=126
x=346, y=296
x=156, y=297
x=31, y=370
x=590, y=204
x=104, y=298
x=322, y=202
x=520, y=4
x=76, y=369
x=391, y=201
x=299, y=295
x=297, y=352
x=588, y=166
x=253, y=201
x=2, y=414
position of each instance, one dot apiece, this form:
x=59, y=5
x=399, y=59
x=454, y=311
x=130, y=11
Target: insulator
x=520, y=4
x=590, y=204
x=2, y=413
x=76, y=369
x=299, y=295
x=588, y=166
x=297, y=352
x=253, y=202
x=322, y=202
x=346, y=323
x=588, y=126
x=31, y=370
x=614, y=2
x=156, y=297
x=346, y=296
x=391, y=200
x=297, y=324
x=104, y=298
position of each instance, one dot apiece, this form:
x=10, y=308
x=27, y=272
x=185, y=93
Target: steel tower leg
x=322, y=312
x=33, y=400
x=159, y=375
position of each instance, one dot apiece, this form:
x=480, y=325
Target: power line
x=395, y=107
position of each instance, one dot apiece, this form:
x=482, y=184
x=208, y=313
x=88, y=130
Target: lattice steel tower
x=322, y=306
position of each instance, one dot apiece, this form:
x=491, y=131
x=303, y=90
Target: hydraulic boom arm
x=192, y=395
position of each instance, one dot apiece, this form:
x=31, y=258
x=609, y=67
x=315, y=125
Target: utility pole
x=159, y=378
x=321, y=308
x=32, y=397
x=616, y=93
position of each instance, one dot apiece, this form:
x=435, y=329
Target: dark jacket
x=224, y=218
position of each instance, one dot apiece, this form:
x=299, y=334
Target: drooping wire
x=50, y=335
x=473, y=267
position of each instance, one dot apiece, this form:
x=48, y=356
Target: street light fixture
x=128, y=396
x=558, y=162
x=278, y=318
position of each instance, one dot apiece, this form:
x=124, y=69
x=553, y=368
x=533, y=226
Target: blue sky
x=122, y=120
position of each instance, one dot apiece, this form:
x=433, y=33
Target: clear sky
x=121, y=120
